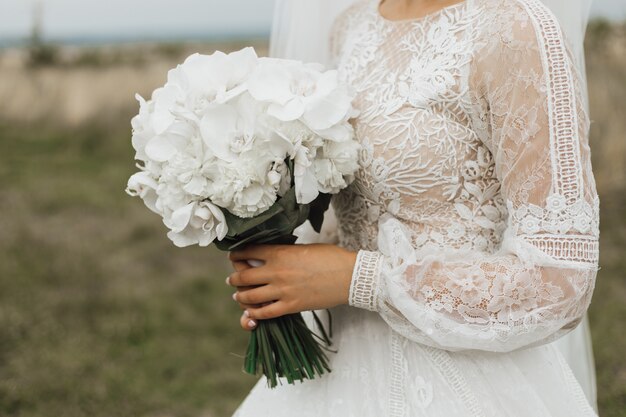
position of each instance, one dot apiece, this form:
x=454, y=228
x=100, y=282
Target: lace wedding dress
x=474, y=214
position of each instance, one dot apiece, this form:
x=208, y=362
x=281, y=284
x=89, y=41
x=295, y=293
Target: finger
x=261, y=252
x=249, y=277
x=249, y=306
x=246, y=288
x=247, y=323
x=238, y=266
x=270, y=311
x=259, y=295
x=244, y=306
x=241, y=266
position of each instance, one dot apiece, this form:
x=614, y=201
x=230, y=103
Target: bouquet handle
x=286, y=347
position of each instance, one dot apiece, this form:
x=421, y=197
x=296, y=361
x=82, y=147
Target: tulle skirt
x=378, y=373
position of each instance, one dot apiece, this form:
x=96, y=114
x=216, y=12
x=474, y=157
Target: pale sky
x=164, y=18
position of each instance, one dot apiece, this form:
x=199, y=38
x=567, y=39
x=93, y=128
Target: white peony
x=243, y=188
x=335, y=168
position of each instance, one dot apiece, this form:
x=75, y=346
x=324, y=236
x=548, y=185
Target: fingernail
x=252, y=324
x=228, y=280
x=235, y=296
x=245, y=313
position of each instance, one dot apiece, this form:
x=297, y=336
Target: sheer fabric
x=477, y=175
x=474, y=214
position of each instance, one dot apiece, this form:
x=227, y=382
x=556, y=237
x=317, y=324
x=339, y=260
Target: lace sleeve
x=528, y=111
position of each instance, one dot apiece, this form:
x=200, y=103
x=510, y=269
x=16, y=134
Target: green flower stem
x=285, y=347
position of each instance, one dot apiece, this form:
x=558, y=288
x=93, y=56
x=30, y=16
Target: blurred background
x=100, y=315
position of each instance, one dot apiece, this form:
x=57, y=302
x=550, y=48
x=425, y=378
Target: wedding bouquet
x=235, y=149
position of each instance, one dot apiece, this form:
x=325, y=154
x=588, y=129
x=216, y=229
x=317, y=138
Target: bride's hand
x=293, y=278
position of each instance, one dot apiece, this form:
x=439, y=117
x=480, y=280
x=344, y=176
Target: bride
x=469, y=239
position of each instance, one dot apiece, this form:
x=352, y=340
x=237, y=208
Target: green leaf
x=238, y=225
x=317, y=209
x=320, y=325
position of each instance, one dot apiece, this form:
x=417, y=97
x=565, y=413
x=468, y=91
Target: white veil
x=301, y=30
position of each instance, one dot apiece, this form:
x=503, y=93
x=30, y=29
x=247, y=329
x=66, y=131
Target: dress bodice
x=424, y=120
x=422, y=159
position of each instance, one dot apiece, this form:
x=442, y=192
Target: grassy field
x=101, y=316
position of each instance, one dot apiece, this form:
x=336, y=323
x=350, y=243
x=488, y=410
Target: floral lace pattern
x=474, y=211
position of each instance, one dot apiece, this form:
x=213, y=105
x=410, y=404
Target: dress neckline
x=377, y=3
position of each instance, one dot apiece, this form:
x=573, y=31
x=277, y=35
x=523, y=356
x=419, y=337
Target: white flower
x=243, y=191
x=253, y=199
x=279, y=177
x=335, y=169
x=143, y=185
x=297, y=91
x=169, y=142
x=304, y=174
x=205, y=78
x=196, y=223
x=225, y=133
x=142, y=128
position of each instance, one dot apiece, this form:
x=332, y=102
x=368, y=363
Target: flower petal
x=160, y=149
x=180, y=218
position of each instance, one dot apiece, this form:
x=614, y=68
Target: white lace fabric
x=475, y=211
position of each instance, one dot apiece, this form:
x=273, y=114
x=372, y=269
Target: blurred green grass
x=100, y=315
